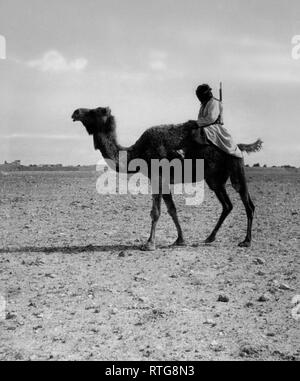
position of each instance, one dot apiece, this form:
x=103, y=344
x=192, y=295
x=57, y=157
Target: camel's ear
x=107, y=111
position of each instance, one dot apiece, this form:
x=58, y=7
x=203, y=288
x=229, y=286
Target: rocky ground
x=77, y=286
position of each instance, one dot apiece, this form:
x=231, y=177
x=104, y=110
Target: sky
x=144, y=59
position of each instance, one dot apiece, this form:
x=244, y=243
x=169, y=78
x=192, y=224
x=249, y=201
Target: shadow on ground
x=68, y=249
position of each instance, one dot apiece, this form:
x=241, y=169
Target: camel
x=164, y=142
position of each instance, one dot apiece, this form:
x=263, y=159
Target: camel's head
x=94, y=120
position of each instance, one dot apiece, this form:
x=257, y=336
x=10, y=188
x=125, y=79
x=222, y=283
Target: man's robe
x=211, y=116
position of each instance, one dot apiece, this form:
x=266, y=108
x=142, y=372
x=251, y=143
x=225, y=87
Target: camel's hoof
x=178, y=242
x=209, y=240
x=149, y=246
x=245, y=244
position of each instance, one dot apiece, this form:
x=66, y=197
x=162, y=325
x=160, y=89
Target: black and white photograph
x=150, y=182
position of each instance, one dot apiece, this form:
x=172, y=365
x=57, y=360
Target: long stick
x=221, y=99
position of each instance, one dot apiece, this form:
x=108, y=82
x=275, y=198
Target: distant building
x=13, y=163
x=17, y=166
x=13, y=166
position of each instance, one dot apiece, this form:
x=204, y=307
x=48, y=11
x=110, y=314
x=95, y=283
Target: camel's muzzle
x=79, y=114
x=76, y=116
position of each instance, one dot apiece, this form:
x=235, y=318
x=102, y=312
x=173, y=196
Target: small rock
x=114, y=311
x=157, y=312
x=261, y=273
x=10, y=316
x=139, y=278
x=284, y=286
x=215, y=346
x=48, y=275
x=138, y=323
x=38, y=315
x=223, y=298
x=264, y=298
x=249, y=304
x=143, y=299
x=248, y=350
x=259, y=261
x=210, y=322
x=121, y=254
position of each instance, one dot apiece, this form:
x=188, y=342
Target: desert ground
x=78, y=287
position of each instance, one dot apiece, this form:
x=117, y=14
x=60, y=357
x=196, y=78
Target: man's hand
x=193, y=124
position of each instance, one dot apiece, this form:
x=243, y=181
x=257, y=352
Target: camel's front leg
x=168, y=199
x=155, y=213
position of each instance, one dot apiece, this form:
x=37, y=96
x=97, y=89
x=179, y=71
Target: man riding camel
x=210, y=119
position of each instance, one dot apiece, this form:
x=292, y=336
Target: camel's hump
x=170, y=136
x=165, y=130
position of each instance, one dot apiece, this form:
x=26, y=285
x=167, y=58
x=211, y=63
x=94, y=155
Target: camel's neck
x=108, y=145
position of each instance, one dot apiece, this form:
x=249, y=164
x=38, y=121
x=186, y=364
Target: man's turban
x=203, y=89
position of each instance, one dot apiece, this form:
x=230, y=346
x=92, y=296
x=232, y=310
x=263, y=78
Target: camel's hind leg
x=249, y=206
x=168, y=199
x=155, y=214
x=239, y=183
x=227, y=208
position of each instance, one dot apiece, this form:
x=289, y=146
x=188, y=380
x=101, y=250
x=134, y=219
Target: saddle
x=199, y=136
x=197, y=133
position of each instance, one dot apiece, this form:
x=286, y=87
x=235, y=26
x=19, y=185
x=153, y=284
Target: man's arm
x=212, y=114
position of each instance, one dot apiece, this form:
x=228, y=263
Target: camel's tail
x=249, y=148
